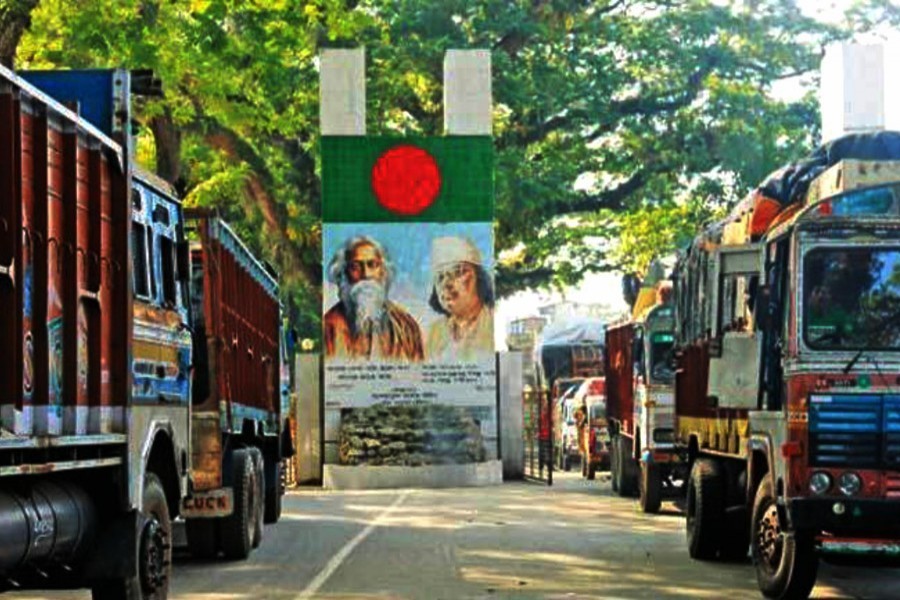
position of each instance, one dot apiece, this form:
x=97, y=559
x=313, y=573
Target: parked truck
x=568, y=351
x=565, y=426
x=98, y=374
x=640, y=399
x=593, y=434
x=240, y=396
x=786, y=393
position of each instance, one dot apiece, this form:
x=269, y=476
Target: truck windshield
x=852, y=298
x=661, y=358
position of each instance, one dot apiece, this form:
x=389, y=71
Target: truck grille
x=858, y=431
x=892, y=431
x=892, y=486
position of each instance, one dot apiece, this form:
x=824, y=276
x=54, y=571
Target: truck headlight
x=819, y=483
x=850, y=484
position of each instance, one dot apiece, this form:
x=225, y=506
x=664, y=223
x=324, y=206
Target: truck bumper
x=860, y=547
x=847, y=517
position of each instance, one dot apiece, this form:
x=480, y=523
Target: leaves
x=619, y=124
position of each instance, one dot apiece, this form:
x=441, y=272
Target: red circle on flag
x=406, y=180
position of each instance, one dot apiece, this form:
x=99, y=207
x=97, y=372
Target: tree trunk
x=15, y=18
x=168, y=149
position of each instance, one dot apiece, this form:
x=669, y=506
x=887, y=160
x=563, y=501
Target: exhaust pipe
x=46, y=521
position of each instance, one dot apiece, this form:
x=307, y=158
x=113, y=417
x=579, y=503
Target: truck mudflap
x=857, y=518
x=208, y=505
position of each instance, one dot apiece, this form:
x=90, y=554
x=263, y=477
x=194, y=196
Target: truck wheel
x=259, y=467
x=238, y=530
x=626, y=477
x=651, y=488
x=786, y=562
x=154, y=551
x=202, y=537
x=274, y=497
x=705, y=510
x=614, y=464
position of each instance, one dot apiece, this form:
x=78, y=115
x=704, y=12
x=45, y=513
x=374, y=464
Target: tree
x=15, y=18
x=634, y=100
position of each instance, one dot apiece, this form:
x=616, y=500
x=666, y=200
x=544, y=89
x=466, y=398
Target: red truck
x=98, y=376
x=640, y=403
x=788, y=346
x=239, y=397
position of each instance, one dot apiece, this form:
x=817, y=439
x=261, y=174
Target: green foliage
x=658, y=230
x=649, y=97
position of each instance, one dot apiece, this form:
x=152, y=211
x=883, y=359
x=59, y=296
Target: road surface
x=523, y=540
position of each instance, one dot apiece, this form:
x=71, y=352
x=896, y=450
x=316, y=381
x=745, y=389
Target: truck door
x=734, y=369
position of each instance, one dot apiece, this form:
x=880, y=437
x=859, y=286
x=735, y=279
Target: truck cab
x=829, y=409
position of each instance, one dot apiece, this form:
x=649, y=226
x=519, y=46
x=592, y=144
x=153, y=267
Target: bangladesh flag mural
x=408, y=260
x=424, y=180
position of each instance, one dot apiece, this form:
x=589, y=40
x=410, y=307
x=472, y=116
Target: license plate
x=217, y=503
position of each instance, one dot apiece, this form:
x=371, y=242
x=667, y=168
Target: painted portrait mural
x=408, y=311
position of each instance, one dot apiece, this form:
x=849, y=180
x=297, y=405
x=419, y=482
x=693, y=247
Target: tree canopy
x=627, y=120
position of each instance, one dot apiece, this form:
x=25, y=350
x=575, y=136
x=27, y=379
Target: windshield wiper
x=853, y=360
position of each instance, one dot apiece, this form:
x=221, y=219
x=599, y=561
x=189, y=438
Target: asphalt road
x=575, y=540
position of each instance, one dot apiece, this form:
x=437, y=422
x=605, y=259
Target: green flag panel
x=426, y=179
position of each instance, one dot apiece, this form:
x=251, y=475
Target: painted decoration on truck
x=408, y=313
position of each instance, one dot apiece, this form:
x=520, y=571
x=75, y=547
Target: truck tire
x=651, y=488
x=705, y=509
x=627, y=487
x=154, y=551
x=237, y=531
x=786, y=562
x=259, y=466
x=202, y=537
x=274, y=497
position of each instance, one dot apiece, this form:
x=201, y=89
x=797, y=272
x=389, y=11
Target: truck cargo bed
x=235, y=308
x=64, y=292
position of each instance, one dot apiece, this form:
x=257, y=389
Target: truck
x=593, y=430
x=640, y=400
x=565, y=429
x=568, y=351
x=99, y=375
x=240, y=395
x=787, y=339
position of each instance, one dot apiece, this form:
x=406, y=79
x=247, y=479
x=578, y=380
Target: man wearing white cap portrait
x=464, y=294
